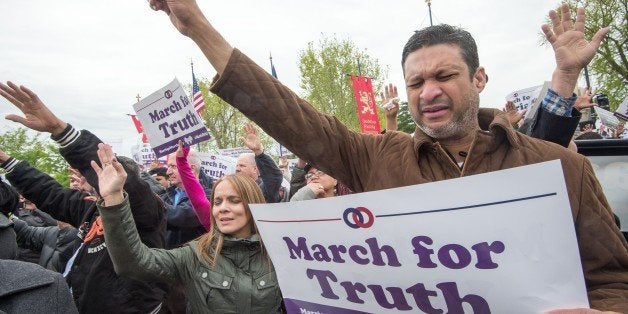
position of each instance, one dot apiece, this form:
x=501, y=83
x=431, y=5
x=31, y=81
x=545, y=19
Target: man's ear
x=195, y=170
x=479, y=78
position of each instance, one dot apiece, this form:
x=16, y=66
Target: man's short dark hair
x=160, y=171
x=444, y=34
x=582, y=125
x=9, y=198
x=589, y=136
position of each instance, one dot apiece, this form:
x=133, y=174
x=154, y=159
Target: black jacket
x=95, y=285
x=33, y=218
x=183, y=224
x=55, y=245
x=270, y=178
x=552, y=127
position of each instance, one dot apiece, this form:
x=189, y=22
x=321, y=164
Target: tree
x=325, y=68
x=609, y=68
x=224, y=122
x=404, y=119
x=41, y=154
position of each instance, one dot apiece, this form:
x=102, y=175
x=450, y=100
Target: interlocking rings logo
x=357, y=215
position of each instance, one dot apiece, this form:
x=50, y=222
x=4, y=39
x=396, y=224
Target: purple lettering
x=299, y=249
x=422, y=298
x=462, y=255
x=425, y=261
x=398, y=299
x=353, y=253
x=454, y=302
x=377, y=253
x=335, y=252
x=322, y=277
x=352, y=290
x=320, y=253
x=483, y=251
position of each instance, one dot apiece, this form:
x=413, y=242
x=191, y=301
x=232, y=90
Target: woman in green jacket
x=224, y=271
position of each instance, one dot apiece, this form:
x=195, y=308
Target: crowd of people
x=172, y=239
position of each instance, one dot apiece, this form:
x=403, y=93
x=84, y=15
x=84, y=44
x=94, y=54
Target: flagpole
x=274, y=74
x=198, y=145
x=192, y=67
x=429, y=7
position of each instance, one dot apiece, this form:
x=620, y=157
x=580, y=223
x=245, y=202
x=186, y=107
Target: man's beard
x=459, y=126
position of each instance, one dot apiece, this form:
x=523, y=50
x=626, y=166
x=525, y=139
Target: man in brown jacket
x=454, y=137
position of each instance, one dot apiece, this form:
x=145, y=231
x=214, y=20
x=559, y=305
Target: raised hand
x=182, y=151
x=584, y=99
x=183, y=13
x=390, y=102
x=251, y=139
x=155, y=164
x=36, y=115
x=512, y=114
x=111, y=176
x=618, y=130
x=188, y=19
x=390, y=99
x=4, y=156
x=317, y=188
x=571, y=50
x=82, y=182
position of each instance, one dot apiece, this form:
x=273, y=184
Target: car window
x=612, y=172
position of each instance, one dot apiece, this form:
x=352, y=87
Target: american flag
x=197, y=96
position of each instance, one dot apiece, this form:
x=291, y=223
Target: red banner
x=365, y=101
x=139, y=127
x=137, y=123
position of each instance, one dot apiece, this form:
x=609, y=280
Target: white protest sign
x=234, y=152
x=282, y=150
x=585, y=115
x=167, y=117
x=501, y=242
x=534, y=106
x=622, y=110
x=216, y=166
x=607, y=117
x=144, y=154
x=524, y=98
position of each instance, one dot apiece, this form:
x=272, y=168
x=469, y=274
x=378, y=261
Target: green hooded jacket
x=242, y=281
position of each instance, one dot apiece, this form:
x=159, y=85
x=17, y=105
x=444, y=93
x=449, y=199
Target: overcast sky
x=87, y=60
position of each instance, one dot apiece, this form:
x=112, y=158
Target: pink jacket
x=202, y=206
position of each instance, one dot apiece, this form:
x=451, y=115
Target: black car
x=610, y=162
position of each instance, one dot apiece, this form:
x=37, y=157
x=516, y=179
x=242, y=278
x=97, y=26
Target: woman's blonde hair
x=210, y=244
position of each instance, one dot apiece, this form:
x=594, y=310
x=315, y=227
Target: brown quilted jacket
x=394, y=159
